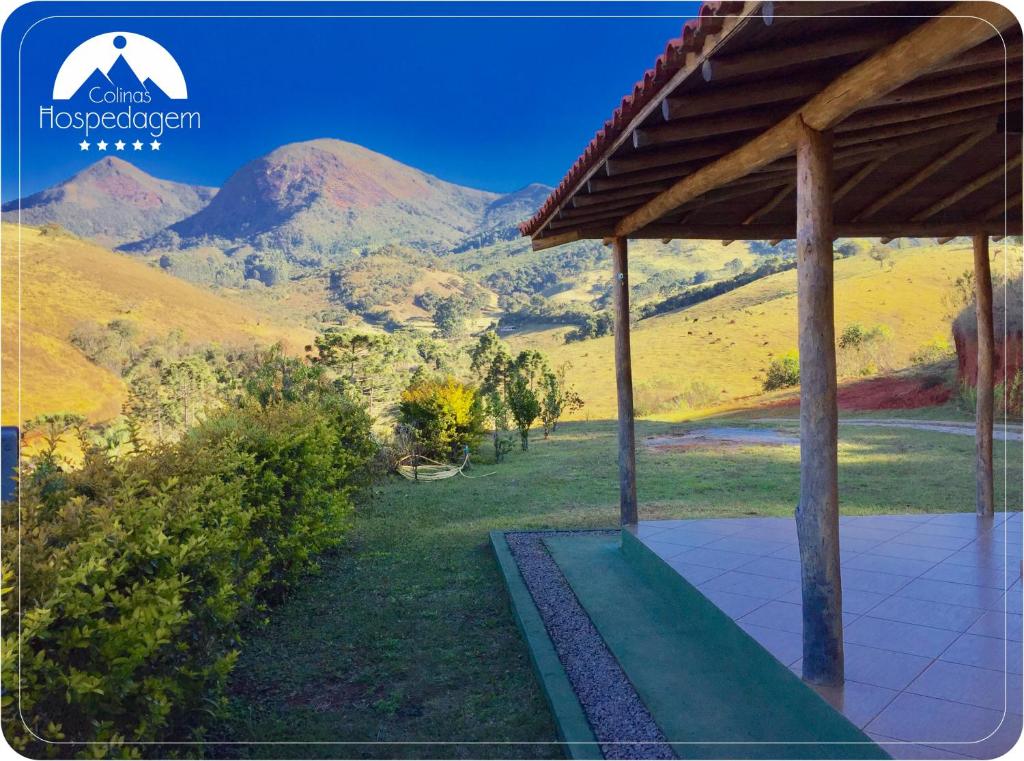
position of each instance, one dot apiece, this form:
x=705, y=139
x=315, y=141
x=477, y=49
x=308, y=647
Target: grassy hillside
x=66, y=282
x=715, y=352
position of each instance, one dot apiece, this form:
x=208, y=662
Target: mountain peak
x=113, y=202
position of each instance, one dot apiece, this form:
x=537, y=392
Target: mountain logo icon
x=111, y=53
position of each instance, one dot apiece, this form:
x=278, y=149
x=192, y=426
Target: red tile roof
x=691, y=40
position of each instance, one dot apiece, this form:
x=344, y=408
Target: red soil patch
x=886, y=394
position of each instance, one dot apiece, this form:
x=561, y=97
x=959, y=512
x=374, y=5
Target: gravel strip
x=622, y=724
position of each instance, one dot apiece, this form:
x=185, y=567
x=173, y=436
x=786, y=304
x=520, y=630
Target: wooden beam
x=870, y=229
x=921, y=175
x=959, y=28
x=707, y=126
x=984, y=501
x=858, y=177
x=993, y=51
x=624, y=384
x=926, y=110
x=943, y=241
x=721, y=68
x=967, y=121
x=973, y=186
x=775, y=200
x=1001, y=208
x=680, y=155
x=701, y=103
x=928, y=89
x=817, y=514
x=583, y=200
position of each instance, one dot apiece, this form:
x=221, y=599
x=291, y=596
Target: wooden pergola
x=810, y=120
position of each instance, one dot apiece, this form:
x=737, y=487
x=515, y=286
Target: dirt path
x=1002, y=433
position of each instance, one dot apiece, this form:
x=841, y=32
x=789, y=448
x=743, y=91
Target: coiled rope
x=409, y=467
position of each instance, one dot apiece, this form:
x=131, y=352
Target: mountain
x=67, y=283
x=326, y=197
x=112, y=202
x=501, y=218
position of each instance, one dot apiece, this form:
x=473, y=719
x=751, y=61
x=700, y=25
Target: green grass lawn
x=406, y=635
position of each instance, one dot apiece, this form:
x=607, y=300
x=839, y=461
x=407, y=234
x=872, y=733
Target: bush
x=138, y=574
x=783, y=372
x=446, y=415
x=936, y=350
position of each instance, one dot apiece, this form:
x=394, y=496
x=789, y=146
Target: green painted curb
x=574, y=731
x=714, y=690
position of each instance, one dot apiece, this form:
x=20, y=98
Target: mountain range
x=307, y=201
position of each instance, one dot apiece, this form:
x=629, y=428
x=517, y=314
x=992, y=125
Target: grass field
x=65, y=281
x=406, y=636
x=724, y=345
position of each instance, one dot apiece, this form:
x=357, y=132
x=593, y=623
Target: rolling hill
x=716, y=352
x=66, y=282
x=111, y=202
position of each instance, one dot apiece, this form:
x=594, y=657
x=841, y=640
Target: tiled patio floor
x=931, y=609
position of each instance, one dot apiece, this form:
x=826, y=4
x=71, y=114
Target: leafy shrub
x=446, y=415
x=936, y=350
x=783, y=372
x=138, y=574
x=865, y=351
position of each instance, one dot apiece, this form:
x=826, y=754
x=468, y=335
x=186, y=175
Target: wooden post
x=624, y=383
x=817, y=515
x=986, y=352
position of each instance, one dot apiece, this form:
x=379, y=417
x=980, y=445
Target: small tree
x=783, y=372
x=523, y=405
x=558, y=397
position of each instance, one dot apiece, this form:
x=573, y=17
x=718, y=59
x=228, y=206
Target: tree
x=557, y=398
x=523, y=405
x=492, y=364
x=364, y=363
x=450, y=314
x=446, y=415
x=783, y=372
x=883, y=256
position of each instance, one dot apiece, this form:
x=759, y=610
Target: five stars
x=120, y=145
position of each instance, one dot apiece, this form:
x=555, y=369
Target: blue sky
x=493, y=103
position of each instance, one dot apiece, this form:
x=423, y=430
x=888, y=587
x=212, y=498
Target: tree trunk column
x=986, y=352
x=624, y=383
x=817, y=515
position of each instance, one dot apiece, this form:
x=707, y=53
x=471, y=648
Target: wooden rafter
x=952, y=85
x=921, y=175
x=960, y=28
x=721, y=68
x=1003, y=206
x=740, y=96
x=718, y=124
x=967, y=189
x=858, y=177
x=927, y=110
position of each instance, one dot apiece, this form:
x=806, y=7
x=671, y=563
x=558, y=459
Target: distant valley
x=326, y=233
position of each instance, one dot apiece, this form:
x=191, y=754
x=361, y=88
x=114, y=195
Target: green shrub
x=783, y=372
x=938, y=349
x=138, y=574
